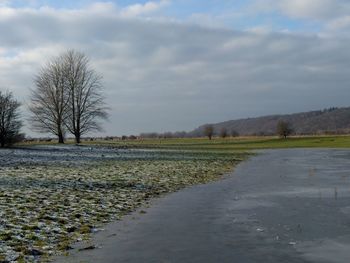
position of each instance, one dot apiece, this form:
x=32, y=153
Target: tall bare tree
x=86, y=103
x=49, y=99
x=68, y=97
x=10, y=123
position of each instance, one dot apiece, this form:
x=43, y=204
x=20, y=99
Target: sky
x=172, y=65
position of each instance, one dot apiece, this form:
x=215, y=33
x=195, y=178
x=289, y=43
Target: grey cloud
x=161, y=75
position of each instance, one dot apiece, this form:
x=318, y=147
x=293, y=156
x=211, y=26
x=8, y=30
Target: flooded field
x=52, y=196
x=289, y=205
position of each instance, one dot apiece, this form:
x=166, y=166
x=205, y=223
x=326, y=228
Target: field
x=234, y=144
x=52, y=196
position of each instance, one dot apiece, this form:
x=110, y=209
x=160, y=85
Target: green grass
x=234, y=144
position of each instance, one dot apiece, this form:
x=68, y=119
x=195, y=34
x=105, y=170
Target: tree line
x=283, y=130
x=67, y=98
x=208, y=131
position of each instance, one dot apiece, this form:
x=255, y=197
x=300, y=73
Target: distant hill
x=328, y=121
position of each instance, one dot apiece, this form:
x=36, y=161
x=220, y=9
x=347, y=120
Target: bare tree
x=86, y=103
x=283, y=129
x=49, y=99
x=209, y=131
x=223, y=132
x=234, y=133
x=68, y=97
x=10, y=124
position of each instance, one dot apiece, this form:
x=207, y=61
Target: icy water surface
x=280, y=206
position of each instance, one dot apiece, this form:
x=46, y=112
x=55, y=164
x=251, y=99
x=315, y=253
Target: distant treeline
x=327, y=121
x=165, y=135
x=330, y=121
x=183, y=134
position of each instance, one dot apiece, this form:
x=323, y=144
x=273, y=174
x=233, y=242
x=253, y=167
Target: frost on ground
x=52, y=196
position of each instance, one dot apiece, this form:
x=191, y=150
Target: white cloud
x=339, y=26
x=315, y=9
x=320, y=10
x=4, y=3
x=143, y=9
x=207, y=20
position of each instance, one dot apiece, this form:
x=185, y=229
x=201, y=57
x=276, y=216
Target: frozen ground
x=52, y=196
x=69, y=155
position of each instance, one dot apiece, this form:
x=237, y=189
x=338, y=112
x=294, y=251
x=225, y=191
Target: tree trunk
x=77, y=138
x=2, y=140
x=60, y=138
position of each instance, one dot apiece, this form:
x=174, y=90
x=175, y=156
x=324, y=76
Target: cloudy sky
x=175, y=64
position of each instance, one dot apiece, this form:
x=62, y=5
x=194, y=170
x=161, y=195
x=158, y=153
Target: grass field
x=234, y=144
